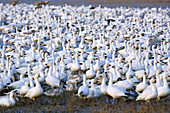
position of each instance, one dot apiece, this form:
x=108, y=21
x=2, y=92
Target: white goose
x=93, y=91
x=139, y=74
x=153, y=69
x=41, y=79
x=91, y=73
x=25, y=88
x=38, y=67
x=164, y=90
x=75, y=66
x=149, y=94
x=141, y=86
x=127, y=84
x=5, y=78
x=7, y=101
x=130, y=73
x=97, y=65
x=35, y=91
x=51, y=79
x=103, y=86
x=114, y=91
x=17, y=84
x=83, y=90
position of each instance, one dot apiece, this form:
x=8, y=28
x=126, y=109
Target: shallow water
x=108, y=3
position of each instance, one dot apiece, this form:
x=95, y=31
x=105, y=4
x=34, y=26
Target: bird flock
x=90, y=51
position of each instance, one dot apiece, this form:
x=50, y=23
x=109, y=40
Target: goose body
x=114, y=91
x=93, y=91
x=90, y=73
x=25, y=88
x=17, y=84
x=141, y=86
x=83, y=90
x=35, y=91
x=75, y=66
x=149, y=94
x=7, y=101
x=52, y=80
x=103, y=86
x=163, y=91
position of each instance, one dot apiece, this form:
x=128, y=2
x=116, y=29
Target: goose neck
x=153, y=87
x=37, y=82
x=84, y=80
x=155, y=66
x=144, y=79
x=165, y=82
x=103, y=81
x=92, y=84
x=50, y=71
x=111, y=80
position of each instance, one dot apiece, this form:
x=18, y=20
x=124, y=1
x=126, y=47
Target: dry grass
x=67, y=102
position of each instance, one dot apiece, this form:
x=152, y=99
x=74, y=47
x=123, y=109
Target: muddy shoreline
x=67, y=102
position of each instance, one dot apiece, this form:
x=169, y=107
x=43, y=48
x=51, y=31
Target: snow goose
x=25, y=88
x=90, y=73
x=114, y=91
x=83, y=90
x=31, y=81
x=29, y=71
x=139, y=74
x=75, y=66
x=17, y=84
x=63, y=75
x=149, y=94
x=54, y=92
x=141, y=86
x=103, y=86
x=97, y=65
x=112, y=71
x=35, y=91
x=127, y=84
x=10, y=74
x=74, y=79
x=7, y=101
x=124, y=51
x=83, y=66
x=93, y=91
x=153, y=70
x=51, y=79
x=164, y=90
x=31, y=57
x=159, y=66
x=130, y=73
x=6, y=79
x=132, y=55
x=36, y=69
x=41, y=79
